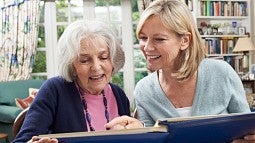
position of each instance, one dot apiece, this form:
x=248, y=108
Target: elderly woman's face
x=93, y=66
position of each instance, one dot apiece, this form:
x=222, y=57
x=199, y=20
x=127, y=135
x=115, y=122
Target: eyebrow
x=82, y=54
x=157, y=34
x=101, y=52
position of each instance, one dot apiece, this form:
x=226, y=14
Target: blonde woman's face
x=159, y=45
x=93, y=65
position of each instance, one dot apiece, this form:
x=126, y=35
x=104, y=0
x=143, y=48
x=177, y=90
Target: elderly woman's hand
x=35, y=139
x=124, y=122
x=247, y=139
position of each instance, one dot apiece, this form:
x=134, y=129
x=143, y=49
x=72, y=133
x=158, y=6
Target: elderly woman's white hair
x=69, y=45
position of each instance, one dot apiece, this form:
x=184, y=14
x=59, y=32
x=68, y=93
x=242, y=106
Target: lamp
x=244, y=44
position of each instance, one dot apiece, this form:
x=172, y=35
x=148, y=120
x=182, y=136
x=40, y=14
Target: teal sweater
x=219, y=90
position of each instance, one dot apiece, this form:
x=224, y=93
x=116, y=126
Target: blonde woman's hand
x=35, y=139
x=124, y=122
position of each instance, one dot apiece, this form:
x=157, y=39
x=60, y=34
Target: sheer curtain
x=18, y=38
x=142, y=4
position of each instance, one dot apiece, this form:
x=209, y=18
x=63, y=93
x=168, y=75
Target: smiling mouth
x=98, y=77
x=153, y=57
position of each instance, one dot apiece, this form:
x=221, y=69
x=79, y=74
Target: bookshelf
x=252, y=30
x=221, y=23
x=250, y=84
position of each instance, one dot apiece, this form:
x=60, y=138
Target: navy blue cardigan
x=57, y=108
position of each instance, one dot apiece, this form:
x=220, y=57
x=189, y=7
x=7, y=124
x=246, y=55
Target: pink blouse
x=96, y=108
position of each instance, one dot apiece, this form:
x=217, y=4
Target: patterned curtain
x=18, y=38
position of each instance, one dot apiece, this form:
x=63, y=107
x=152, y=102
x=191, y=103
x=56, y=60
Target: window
x=122, y=14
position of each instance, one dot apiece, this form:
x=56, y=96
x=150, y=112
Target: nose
x=96, y=65
x=147, y=45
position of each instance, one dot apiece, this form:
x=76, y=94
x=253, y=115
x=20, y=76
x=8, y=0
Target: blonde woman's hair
x=69, y=45
x=176, y=16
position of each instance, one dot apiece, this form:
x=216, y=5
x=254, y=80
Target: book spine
x=212, y=8
x=230, y=45
x=208, y=8
x=203, y=8
x=236, y=9
x=224, y=46
x=225, y=9
x=216, y=9
x=219, y=8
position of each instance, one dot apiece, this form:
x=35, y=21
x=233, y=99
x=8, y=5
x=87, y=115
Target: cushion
x=9, y=113
x=24, y=103
x=16, y=89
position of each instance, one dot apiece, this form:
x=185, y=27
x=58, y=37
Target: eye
x=104, y=57
x=143, y=38
x=83, y=61
x=159, y=39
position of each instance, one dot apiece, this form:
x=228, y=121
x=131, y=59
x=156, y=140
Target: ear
x=74, y=70
x=185, y=41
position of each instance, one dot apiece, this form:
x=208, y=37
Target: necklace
x=87, y=115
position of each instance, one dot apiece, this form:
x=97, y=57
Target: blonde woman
x=183, y=82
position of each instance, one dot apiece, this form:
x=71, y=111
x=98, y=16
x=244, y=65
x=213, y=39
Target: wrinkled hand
x=35, y=139
x=124, y=122
x=247, y=139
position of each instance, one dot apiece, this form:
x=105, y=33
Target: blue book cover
x=210, y=129
x=153, y=137
x=221, y=128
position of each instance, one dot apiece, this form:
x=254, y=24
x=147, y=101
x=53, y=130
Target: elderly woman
x=81, y=98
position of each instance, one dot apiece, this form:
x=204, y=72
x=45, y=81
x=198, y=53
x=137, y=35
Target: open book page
x=108, y=132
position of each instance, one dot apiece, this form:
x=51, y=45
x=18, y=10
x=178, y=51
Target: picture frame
x=200, y=31
x=241, y=30
x=189, y=4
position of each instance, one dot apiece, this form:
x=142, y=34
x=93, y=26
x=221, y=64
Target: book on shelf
x=223, y=8
x=217, y=45
x=211, y=128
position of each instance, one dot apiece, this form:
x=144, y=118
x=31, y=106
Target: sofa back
x=10, y=90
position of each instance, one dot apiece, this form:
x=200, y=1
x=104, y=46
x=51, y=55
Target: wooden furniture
x=18, y=122
x=4, y=136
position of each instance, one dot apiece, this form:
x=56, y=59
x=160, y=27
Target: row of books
x=234, y=60
x=223, y=8
x=216, y=45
